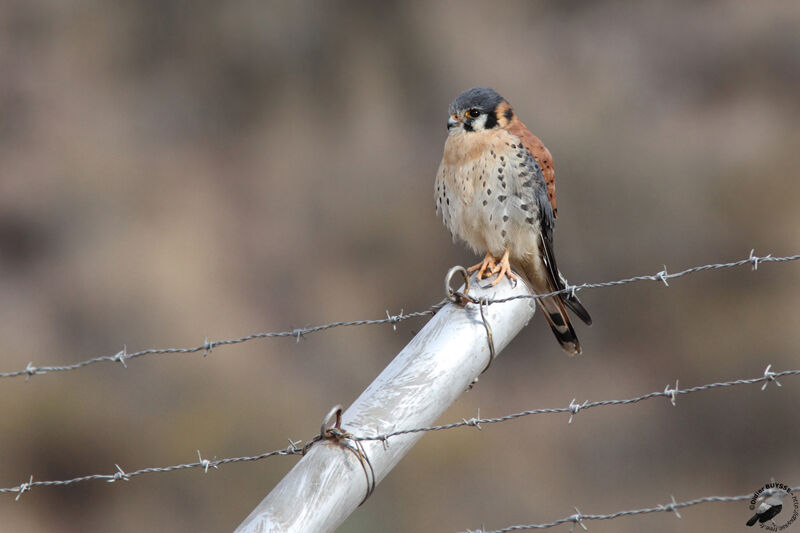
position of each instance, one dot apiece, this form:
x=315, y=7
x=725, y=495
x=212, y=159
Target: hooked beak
x=452, y=121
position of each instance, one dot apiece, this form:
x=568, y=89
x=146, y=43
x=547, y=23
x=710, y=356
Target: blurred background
x=174, y=170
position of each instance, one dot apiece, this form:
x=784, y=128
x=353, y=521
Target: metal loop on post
x=333, y=420
x=458, y=298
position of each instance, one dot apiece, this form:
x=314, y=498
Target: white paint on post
x=425, y=378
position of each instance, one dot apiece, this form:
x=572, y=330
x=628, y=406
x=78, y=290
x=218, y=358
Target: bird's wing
x=534, y=186
x=529, y=189
x=539, y=151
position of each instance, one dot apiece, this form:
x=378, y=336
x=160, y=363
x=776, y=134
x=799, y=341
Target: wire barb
x=24, y=487
x=672, y=507
x=662, y=276
x=570, y=288
x=574, y=408
x=394, y=320
x=671, y=393
x=474, y=421
x=122, y=355
x=119, y=474
x=577, y=519
x=754, y=259
x=31, y=370
x=205, y=463
x=208, y=347
x=770, y=376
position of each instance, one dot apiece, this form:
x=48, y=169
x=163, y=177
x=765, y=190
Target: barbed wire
x=663, y=276
x=578, y=518
x=298, y=447
x=122, y=356
x=294, y=448
x=299, y=333
x=573, y=408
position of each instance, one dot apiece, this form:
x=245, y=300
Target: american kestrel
x=496, y=191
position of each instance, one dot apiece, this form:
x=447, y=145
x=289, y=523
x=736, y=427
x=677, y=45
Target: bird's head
x=478, y=109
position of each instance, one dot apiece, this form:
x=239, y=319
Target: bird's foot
x=485, y=267
x=503, y=269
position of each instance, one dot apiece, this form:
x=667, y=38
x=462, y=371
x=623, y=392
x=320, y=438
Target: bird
x=769, y=508
x=495, y=190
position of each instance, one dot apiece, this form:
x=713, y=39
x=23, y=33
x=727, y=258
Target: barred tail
x=556, y=315
x=543, y=277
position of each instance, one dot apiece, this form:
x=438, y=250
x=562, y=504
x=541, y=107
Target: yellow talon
x=488, y=263
x=491, y=266
x=503, y=269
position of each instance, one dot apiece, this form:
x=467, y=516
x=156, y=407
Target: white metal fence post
x=425, y=378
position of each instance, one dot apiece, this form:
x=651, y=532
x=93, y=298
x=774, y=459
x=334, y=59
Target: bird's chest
x=477, y=190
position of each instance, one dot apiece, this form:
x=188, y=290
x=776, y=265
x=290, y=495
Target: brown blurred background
x=174, y=170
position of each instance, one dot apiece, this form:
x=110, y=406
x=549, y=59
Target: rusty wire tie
x=463, y=298
x=331, y=430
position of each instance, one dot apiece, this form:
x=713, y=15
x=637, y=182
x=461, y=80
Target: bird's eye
x=473, y=113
